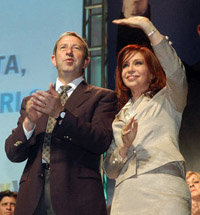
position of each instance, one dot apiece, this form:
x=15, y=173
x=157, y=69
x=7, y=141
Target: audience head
x=7, y=202
x=134, y=7
x=193, y=181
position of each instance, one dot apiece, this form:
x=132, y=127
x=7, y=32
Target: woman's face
x=194, y=184
x=135, y=74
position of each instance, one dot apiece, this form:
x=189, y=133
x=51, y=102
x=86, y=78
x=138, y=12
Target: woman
x=193, y=181
x=144, y=156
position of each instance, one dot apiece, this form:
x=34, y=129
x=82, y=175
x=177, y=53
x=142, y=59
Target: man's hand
x=32, y=115
x=47, y=102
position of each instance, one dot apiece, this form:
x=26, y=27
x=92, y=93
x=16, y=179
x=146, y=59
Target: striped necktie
x=51, y=124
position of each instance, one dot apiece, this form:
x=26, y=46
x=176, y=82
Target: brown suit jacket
x=75, y=180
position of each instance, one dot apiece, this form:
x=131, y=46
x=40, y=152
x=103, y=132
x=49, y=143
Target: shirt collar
x=73, y=84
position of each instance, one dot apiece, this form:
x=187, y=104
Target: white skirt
x=152, y=194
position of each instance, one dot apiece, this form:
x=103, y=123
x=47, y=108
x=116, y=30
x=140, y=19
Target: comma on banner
x=10, y=65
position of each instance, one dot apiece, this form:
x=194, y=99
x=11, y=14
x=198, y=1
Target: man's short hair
x=71, y=33
x=8, y=193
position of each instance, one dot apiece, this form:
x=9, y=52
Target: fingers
x=42, y=98
x=134, y=21
x=132, y=123
x=130, y=126
x=32, y=113
x=39, y=101
x=52, y=90
x=119, y=21
x=46, y=102
x=134, y=126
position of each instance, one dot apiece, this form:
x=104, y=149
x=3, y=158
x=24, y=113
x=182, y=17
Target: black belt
x=171, y=169
x=46, y=166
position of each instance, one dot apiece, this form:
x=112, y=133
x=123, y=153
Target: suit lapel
x=79, y=96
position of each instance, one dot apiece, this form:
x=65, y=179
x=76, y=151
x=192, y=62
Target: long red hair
x=157, y=83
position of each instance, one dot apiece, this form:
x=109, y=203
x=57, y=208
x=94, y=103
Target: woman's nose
x=131, y=69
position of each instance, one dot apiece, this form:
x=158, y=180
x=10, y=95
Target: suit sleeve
x=93, y=135
x=17, y=146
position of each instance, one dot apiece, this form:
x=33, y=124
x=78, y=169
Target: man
x=189, y=133
x=134, y=8
x=7, y=202
x=70, y=183
x=127, y=35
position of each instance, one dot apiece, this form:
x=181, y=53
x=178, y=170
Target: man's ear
x=86, y=62
x=53, y=60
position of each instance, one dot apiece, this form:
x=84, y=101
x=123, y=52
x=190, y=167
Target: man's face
x=134, y=7
x=70, y=57
x=7, y=205
x=194, y=184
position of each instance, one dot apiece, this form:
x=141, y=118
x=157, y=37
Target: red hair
x=157, y=83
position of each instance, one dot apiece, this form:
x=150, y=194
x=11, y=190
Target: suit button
x=18, y=143
x=41, y=175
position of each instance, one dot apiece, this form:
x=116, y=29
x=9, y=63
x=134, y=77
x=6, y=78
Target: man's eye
x=77, y=47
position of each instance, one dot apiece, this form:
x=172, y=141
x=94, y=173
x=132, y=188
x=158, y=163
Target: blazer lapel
x=79, y=96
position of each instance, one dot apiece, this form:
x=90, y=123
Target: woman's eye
x=125, y=65
x=138, y=63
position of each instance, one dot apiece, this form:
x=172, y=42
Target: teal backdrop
x=29, y=29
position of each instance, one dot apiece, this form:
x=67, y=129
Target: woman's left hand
x=129, y=132
x=143, y=23
x=136, y=22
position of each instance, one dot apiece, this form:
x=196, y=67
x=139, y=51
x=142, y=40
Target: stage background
x=176, y=19
x=29, y=29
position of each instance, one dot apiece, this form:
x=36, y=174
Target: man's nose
x=8, y=207
x=69, y=51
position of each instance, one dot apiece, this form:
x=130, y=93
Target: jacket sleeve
x=175, y=74
x=17, y=146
